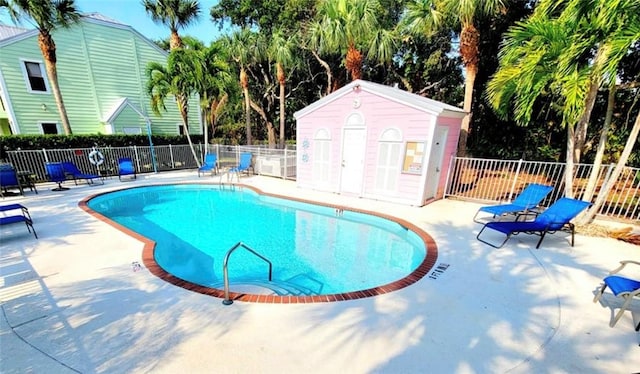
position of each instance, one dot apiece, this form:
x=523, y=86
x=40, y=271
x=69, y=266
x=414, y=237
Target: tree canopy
x=431, y=47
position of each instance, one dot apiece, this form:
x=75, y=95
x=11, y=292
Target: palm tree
x=241, y=47
x=175, y=14
x=212, y=86
x=47, y=15
x=177, y=79
x=529, y=68
x=613, y=178
x=618, y=23
x=214, y=83
x=553, y=51
x=352, y=28
x=281, y=51
x=425, y=17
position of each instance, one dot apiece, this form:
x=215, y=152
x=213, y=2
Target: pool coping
x=149, y=262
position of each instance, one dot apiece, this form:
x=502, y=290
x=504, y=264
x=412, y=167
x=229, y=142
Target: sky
x=132, y=13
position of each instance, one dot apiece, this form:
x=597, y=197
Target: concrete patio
x=71, y=303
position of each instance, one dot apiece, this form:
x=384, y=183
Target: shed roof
x=391, y=93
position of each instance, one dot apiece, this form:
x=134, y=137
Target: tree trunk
x=282, y=81
x=183, y=106
x=353, y=62
x=468, y=100
x=212, y=116
x=406, y=83
x=205, y=123
x=583, y=123
x=216, y=109
x=271, y=133
x=569, y=164
x=613, y=178
x=174, y=40
x=597, y=162
x=469, y=52
x=327, y=69
x=48, y=49
x=244, y=83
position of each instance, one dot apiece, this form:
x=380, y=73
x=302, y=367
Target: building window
x=181, y=130
x=389, y=158
x=355, y=120
x=321, y=156
x=132, y=130
x=49, y=128
x=35, y=76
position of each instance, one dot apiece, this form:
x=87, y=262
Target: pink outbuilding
x=377, y=142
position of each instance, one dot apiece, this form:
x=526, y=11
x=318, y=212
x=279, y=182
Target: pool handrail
x=225, y=269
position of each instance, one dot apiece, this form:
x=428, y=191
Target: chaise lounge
x=55, y=173
x=555, y=218
x=125, y=167
x=17, y=218
x=9, y=179
x=72, y=170
x=210, y=164
x=528, y=199
x=623, y=287
x=243, y=166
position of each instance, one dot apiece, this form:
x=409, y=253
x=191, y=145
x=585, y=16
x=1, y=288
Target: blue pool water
x=311, y=247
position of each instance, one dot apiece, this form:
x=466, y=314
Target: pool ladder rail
x=229, y=175
x=225, y=268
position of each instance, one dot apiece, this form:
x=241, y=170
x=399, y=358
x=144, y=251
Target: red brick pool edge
x=155, y=269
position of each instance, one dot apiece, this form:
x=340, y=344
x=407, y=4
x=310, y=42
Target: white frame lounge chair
x=623, y=287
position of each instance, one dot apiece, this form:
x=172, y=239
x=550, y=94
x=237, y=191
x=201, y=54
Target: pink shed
x=377, y=142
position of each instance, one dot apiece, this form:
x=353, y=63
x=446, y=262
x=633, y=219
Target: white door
x=435, y=161
x=353, y=147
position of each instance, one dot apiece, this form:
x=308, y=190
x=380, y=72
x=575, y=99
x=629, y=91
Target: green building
x=101, y=72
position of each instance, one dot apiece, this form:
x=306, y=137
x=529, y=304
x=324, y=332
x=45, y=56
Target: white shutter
x=388, y=167
x=321, y=151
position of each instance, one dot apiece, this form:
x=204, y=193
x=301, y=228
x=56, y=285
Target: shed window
x=35, y=76
x=49, y=128
x=321, y=155
x=389, y=160
x=132, y=130
x=355, y=120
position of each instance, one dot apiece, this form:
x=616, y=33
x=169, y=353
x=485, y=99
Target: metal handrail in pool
x=225, y=270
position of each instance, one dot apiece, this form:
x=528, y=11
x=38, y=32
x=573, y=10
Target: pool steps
x=275, y=287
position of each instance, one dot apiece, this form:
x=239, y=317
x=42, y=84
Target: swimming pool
x=319, y=253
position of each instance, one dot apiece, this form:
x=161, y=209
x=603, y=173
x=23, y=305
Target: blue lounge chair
x=210, y=164
x=9, y=179
x=17, y=218
x=528, y=199
x=125, y=167
x=244, y=166
x=555, y=218
x=56, y=174
x=72, y=170
x=245, y=163
x=621, y=287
